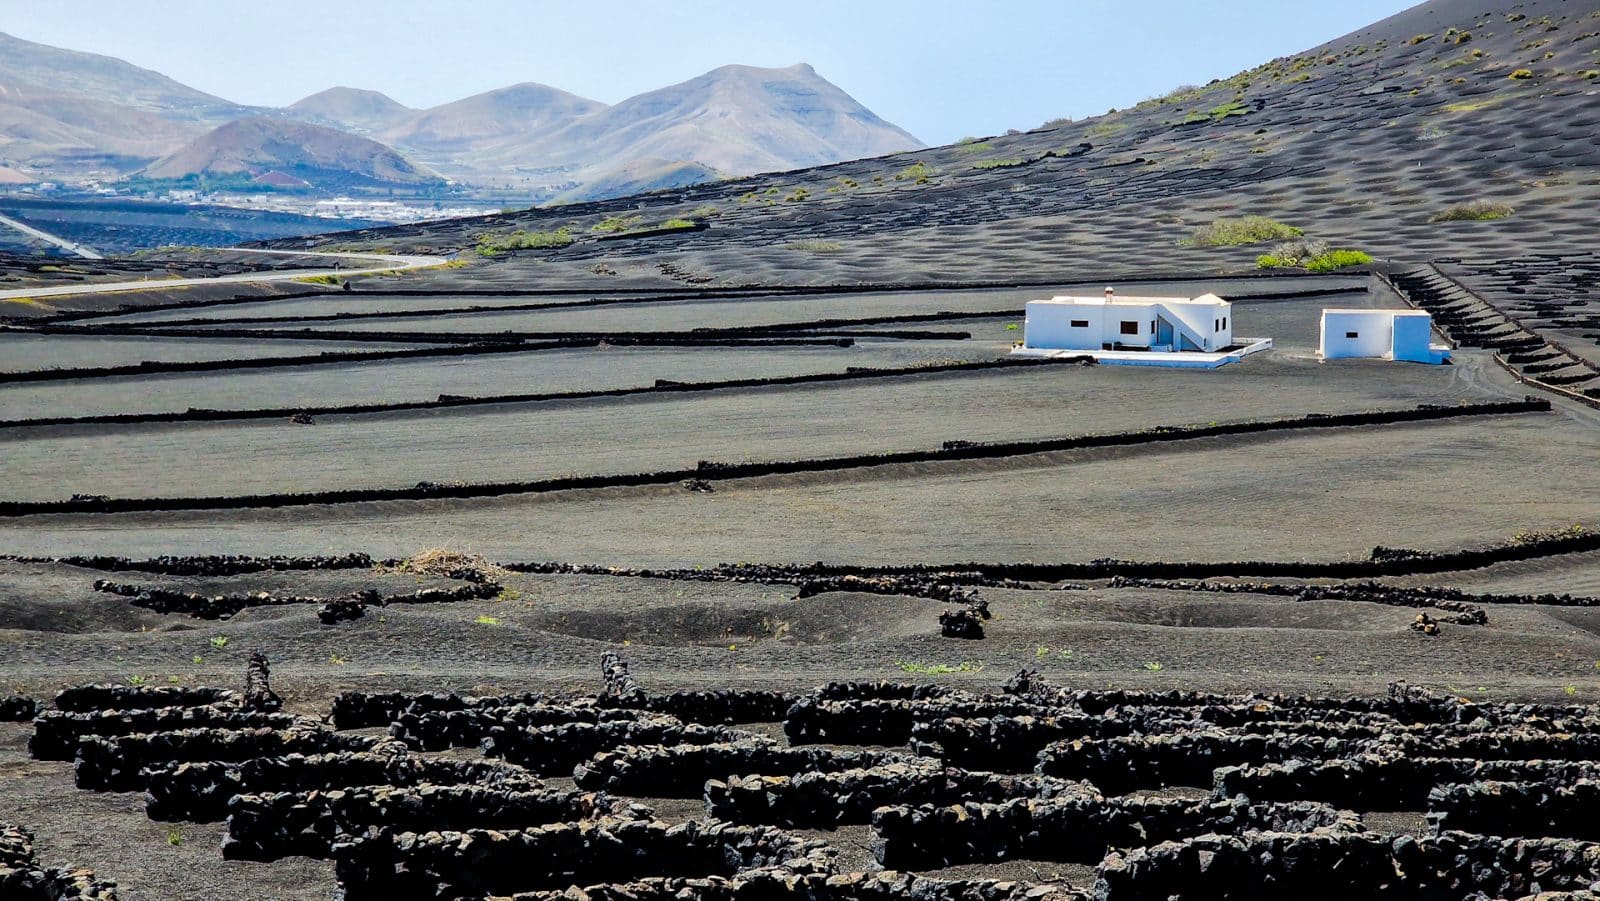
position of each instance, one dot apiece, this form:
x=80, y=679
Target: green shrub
x=1312, y=255
x=998, y=164
x=617, y=223
x=1473, y=211
x=1231, y=232
x=1338, y=259
x=1521, y=74
x=797, y=195
x=490, y=245
x=1419, y=39
x=677, y=223
x=918, y=173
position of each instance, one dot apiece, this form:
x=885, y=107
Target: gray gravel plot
x=28, y=352
x=651, y=432
x=324, y=304
x=1313, y=496
x=659, y=315
x=396, y=381
x=1576, y=574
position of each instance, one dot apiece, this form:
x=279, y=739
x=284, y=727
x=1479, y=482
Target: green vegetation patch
x=1311, y=255
x=1520, y=74
x=973, y=145
x=940, y=669
x=677, y=224
x=1219, y=112
x=492, y=245
x=917, y=173
x=1473, y=211
x=613, y=224
x=1232, y=232
x=998, y=164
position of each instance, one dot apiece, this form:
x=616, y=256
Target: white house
x=1402, y=335
x=1201, y=324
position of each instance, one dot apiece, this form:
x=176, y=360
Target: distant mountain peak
x=356, y=108
x=280, y=149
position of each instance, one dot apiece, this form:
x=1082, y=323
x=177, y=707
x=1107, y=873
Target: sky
x=941, y=69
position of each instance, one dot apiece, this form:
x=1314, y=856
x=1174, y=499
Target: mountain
x=738, y=120
x=270, y=149
x=351, y=108
x=490, y=123
x=105, y=79
x=57, y=131
x=79, y=115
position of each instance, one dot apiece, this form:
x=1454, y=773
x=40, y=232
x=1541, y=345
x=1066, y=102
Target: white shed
x=1401, y=335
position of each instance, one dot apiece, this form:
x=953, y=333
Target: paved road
x=87, y=253
x=374, y=263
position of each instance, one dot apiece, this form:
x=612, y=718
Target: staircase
x=1470, y=321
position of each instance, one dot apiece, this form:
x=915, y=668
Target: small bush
x=494, y=245
x=676, y=223
x=1057, y=123
x=1228, y=232
x=1521, y=74
x=1419, y=39
x=815, y=245
x=940, y=669
x=1474, y=211
x=1338, y=259
x=998, y=164
x=798, y=195
x=703, y=212
x=918, y=173
x=617, y=223
x=1312, y=255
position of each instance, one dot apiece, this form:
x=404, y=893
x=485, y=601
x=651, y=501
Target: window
x=1080, y=323
x=1130, y=328
x=1152, y=326
x=1352, y=334
x=1216, y=325
x=1224, y=322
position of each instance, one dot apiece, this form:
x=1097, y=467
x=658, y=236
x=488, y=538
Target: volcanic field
x=741, y=560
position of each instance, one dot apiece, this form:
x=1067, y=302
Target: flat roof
x=1209, y=300
x=1371, y=312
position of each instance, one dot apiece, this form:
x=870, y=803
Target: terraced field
x=747, y=563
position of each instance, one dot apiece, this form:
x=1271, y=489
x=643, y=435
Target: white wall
x=1049, y=325
x=1413, y=333
x=1373, y=329
x=1202, y=319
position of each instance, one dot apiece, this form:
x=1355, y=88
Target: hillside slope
x=1361, y=142
x=323, y=157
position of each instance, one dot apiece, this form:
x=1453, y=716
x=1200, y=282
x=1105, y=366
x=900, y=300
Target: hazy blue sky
x=939, y=68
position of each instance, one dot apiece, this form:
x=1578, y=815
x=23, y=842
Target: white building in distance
x=1151, y=331
x=1401, y=335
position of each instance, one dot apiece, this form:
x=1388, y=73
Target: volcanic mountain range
x=64, y=114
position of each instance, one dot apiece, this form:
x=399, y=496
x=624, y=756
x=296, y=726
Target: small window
x=1080, y=323
x=1216, y=325
x=1152, y=326
x=1352, y=334
x=1224, y=322
x=1130, y=328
